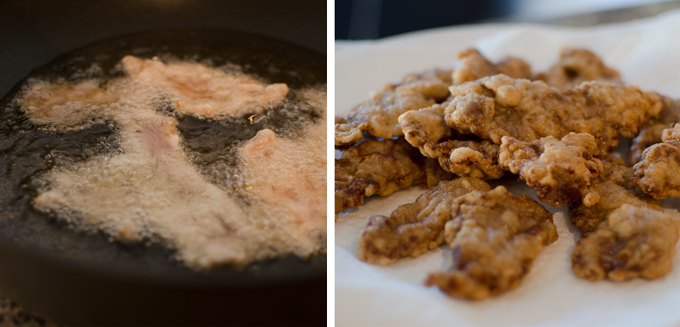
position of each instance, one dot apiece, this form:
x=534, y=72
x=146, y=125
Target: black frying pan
x=81, y=278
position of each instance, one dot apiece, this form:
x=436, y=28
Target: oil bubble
x=37, y=183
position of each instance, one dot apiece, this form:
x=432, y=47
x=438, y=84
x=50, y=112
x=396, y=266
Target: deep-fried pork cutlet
x=414, y=228
x=650, y=135
x=494, y=238
x=287, y=182
x=576, y=66
x=463, y=155
x=498, y=106
x=378, y=115
x=473, y=66
x=381, y=167
x=614, y=189
x=658, y=172
x=558, y=170
x=203, y=91
x=632, y=242
x=66, y=105
x=626, y=235
x=146, y=186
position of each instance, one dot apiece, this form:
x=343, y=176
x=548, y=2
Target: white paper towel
x=646, y=53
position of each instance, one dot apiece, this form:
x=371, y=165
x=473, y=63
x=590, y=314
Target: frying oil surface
x=208, y=160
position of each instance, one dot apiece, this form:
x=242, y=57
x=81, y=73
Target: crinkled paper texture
x=646, y=52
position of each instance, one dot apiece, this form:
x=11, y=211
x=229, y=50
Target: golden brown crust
x=670, y=114
x=647, y=137
x=473, y=66
x=494, y=238
x=498, y=106
x=657, y=173
x=671, y=134
x=378, y=115
x=381, y=167
x=576, y=66
x=632, y=242
x=424, y=128
x=558, y=170
x=471, y=158
x=614, y=189
x=413, y=228
x=463, y=155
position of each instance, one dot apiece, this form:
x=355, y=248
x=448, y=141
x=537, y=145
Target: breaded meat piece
x=494, y=238
x=414, y=228
x=473, y=66
x=150, y=188
x=202, y=91
x=471, y=158
x=381, y=167
x=632, y=242
x=498, y=106
x=558, y=170
x=66, y=105
x=658, y=173
x=671, y=134
x=424, y=129
x=650, y=135
x=286, y=181
x=463, y=155
x=576, y=66
x=378, y=115
x=615, y=189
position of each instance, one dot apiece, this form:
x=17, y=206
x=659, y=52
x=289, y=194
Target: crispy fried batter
x=204, y=91
x=424, y=129
x=462, y=155
x=671, y=134
x=576, y=66
x=381, y=167
x=471, y=158
x=614, y=189
x=414, y=228
x=494, y=238
x=616, y=233
x=670, y=114
x=559, y=171
x=151, y=188
x=473, y=66
x=65, y=105
x=498, y=106
x=632, y=242
x=657, y=174
x=378, y=115
x=287, y=181
x=647, y=137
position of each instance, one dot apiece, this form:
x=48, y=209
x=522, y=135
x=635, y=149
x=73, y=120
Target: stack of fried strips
x=556, y=130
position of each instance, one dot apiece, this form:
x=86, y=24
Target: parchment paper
x=646, y=53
